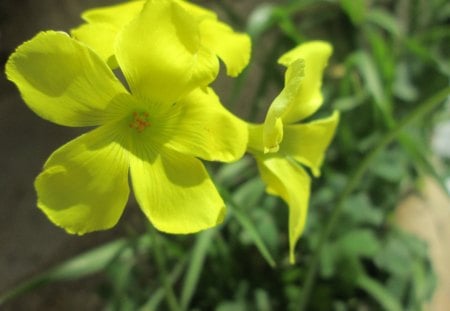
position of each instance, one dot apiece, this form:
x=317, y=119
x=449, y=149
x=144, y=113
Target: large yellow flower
x=280, y=145
x=156, y=130
x=103, y=24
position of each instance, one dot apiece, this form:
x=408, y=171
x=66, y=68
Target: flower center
x=140, y=121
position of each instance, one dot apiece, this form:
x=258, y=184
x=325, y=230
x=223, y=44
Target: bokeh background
x=389, y=57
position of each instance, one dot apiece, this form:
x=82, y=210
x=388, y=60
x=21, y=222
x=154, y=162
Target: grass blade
x=195, y=266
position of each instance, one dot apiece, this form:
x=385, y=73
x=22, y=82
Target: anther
x=140, y=121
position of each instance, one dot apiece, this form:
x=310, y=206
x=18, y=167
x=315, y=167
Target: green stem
x=160, y=259
x=354, y=180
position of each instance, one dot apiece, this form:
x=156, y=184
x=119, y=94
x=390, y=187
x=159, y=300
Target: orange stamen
x=140, y=121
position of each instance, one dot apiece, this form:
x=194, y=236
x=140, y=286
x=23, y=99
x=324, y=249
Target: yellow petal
x=117, y=15
x=273, y=124
x=161, y=54
x=98, y=37
x=103, y=25
x=64, y=81
x=307, y=142
x=255, y=138
x=175, y=192
x=84, y=184
x=232, y=47
x=289, y=181
x=308, y=97
x=196, y=10
x=205, y=129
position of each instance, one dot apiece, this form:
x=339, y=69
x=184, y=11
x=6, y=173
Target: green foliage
x=389, y=57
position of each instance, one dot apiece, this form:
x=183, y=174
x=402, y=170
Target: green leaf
x=358, y=243
x=355, y=9
x=345, y=252
x=373, y=83
x=156, y=298
x=262, y=300
x=416, y=148
x=80, y=266
x=194, y=270
x=251, y=230
x=348, y=103
x=395, y=256
x=260, y=20
x=403, y=86
x=424, y=281
x=288, y=27
x=249, y=193
x=383, y=53
x=379, y=293
x=231, y=173
x=358, y=209
x=385, y=20
x=390, y=165
x=328, y=261
x=232, y=306
x=266, y=226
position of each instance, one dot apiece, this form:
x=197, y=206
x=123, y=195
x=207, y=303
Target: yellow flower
x=280, y=145
x=155, y=131
x=103, y=25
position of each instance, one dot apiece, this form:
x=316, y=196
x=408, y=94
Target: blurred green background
x=377, y=236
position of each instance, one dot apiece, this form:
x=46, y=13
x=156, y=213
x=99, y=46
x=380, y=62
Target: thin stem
x=160, y=259
x=354, y=180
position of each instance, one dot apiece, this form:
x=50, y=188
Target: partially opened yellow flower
x=103, y=24
x=280, y=145
x=156, y=131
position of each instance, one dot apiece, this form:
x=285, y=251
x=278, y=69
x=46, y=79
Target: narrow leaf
x=251, y=230
x=194, y=271
x=379, y=293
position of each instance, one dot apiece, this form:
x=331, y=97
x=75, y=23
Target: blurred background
x=388, y=245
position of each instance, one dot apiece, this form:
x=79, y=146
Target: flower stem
x=354, y=180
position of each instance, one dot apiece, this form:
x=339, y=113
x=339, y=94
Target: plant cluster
x=164, y=125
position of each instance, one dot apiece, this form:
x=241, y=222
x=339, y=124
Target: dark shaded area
x=29, y=242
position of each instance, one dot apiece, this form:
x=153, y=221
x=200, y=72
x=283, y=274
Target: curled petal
x=307, y=142
x=280, y=107
x=84, y=184
x=308, y=97
x=290, y=182
x=161, y=54
x=205, y=129
x=64, y=81
x=175, y=192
